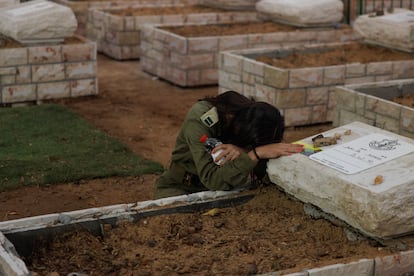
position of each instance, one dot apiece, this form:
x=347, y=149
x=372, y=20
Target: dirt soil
x=267, y=234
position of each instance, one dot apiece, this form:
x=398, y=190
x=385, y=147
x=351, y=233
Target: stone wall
x=36, y=73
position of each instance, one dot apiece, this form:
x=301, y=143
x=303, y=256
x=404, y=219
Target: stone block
x=381, y=210
x=18, y=93
x=363, y=267
x=398, y=264
x=37, y=21
x=304, y=13
x=393, y=29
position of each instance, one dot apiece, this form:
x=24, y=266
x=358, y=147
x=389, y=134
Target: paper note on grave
x=363, y=153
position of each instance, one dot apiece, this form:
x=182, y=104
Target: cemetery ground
x=269, y=233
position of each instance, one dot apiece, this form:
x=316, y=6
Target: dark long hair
x=248, y=124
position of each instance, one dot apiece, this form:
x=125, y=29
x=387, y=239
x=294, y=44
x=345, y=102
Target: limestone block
x=37, y=21
x=302, y=13
x=392, y=30
x=230, y=4
x=7, y=3
x=381, y=210
x=10, y=262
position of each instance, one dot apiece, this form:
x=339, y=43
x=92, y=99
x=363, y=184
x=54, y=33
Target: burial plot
x=81, y=8
x=301, y=80
x=365, y=179
x=379, y=104
x=150, y=228
x=188, y=55
x=118, y=31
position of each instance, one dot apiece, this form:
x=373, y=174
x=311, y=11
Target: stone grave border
x=80, y=8
x=372, y=104
x=194, y=61
x=119, y=36
x=304, y=95
x=20, y=233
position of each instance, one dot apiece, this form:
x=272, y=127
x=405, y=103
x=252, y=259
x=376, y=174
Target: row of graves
x=359, y=173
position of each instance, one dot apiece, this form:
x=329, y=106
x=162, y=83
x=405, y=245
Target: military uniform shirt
x=189, y=157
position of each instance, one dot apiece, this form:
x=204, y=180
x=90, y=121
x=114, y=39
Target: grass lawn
x=50, y=144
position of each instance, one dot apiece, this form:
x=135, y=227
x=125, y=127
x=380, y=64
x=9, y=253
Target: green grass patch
x=50, y=144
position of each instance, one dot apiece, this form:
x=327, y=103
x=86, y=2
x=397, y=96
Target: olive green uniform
x=192, y=169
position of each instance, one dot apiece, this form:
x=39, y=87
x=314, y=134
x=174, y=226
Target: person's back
x=243, y=125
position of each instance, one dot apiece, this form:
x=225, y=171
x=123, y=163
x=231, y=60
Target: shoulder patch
x=210, y=118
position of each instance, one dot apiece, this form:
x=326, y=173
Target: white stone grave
x=37, y=21
x=6, y=3
x=392, y=30
x=375, y=196
x=302, y=13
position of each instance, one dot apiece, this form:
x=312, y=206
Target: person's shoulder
x=200, y=108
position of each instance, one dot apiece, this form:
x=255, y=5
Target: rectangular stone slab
x=37, y=21
x=392, y=30
x=383, y=210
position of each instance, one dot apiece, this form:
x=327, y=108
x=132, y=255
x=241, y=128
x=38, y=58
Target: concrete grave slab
x=393, y=30
x=302, y=13
x=37, y=21
x=380, y=209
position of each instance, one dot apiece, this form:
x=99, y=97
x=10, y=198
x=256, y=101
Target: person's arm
x=226, y=177
x=274, y=150
x=230, y=152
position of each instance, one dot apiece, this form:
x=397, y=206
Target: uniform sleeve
x=213, y=177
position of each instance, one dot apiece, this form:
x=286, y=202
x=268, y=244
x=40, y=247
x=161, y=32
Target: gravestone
x=366, y=179
x=393, y=30
x=37, y=21
x=302, y=13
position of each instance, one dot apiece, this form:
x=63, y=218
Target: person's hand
x=229, y=152
x=276, y=150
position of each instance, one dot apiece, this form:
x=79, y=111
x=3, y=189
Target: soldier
x=251, y=133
